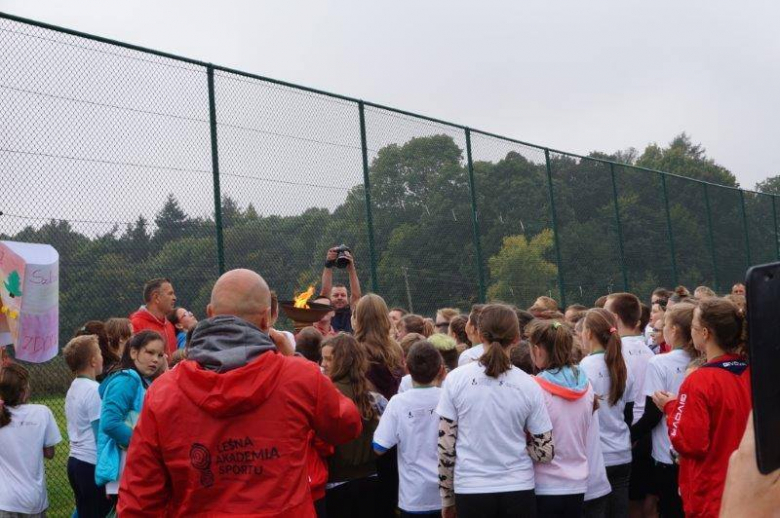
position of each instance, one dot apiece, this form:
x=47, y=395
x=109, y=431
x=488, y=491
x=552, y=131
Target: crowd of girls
x=617, y=410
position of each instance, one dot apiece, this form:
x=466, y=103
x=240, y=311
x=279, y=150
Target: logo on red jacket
x=200, y=458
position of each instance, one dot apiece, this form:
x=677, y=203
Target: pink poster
x=29, y=300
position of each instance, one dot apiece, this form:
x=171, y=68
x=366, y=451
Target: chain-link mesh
x=645, y=235
x=514, y=220
x=106, y=154
x=291, y=179
x=587, y=227
x=690, y=232
x=761, y=228
x=728, y=235
x=422, y=212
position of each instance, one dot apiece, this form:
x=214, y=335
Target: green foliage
x=769, y=186
x=423, y=233
x=686, y=159
x=520, y=270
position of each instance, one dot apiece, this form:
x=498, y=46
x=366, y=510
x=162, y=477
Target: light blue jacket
x=122, y=396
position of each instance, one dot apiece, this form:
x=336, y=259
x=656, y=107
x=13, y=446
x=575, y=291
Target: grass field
x=61, y=502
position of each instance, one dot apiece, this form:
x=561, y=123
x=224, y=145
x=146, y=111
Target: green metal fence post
x=475, y=219
x=619, y=227
x=745, y=227
x=711, y=238
x=777, y=235
x=215, y=170
x=669, y=230
x=561, y=285
x=367, y=188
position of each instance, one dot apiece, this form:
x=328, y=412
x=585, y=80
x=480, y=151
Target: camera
x=342, y=261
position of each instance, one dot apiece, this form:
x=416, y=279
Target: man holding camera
x=342, y=302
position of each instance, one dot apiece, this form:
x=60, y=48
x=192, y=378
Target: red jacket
x=233, y=444
x=706, y=423
x=142, y=320
x=318, y=466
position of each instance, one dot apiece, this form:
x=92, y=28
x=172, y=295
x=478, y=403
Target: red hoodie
x=142, y=320
x=706, y=423
x=233, y=444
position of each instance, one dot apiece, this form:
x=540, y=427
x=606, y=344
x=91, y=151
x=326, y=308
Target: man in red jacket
x=227, y=432
x=159, y=302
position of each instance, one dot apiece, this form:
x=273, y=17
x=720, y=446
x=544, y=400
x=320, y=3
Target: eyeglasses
x=442, y=324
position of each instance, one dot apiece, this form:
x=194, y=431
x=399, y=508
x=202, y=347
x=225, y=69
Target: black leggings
x=618, y=477
x=560, y=506
x=514, y=504
x=91, y=500
x=669, y=501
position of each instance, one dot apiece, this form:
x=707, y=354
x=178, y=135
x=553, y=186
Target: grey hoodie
x=225, y=342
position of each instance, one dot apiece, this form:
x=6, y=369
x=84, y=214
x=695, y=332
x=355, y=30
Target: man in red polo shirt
x=159, y=302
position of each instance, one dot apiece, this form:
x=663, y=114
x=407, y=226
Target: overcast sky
x=573, y=75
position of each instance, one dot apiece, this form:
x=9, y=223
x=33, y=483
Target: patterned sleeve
x=448, y=436
x=541, y=447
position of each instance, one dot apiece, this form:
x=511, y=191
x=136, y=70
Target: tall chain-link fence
x=136, y=164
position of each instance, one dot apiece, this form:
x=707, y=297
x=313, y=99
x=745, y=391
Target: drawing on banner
x=29, y=300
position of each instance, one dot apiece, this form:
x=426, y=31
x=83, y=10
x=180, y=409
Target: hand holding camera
x=340, y=257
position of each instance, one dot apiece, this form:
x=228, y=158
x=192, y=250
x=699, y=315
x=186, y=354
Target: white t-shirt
x=493, y=415
x=82, y=406
x=567, y=474
x=411, y=422
x=471, y=355
x=637, y=355
x=22, y=476
x=665, y=372
x=615, y=434
x=598, y=483
x=406, y=384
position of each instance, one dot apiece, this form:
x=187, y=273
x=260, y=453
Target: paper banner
x=29, y=300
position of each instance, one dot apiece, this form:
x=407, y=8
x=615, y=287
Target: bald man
x=227, y=432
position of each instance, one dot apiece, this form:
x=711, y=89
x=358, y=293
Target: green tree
x=685, y=158
x=769, y=186
x=172, y=223
x=521, y=271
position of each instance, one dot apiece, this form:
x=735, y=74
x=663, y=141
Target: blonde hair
x=372, y=329
x=80, y=351
x=448, y=313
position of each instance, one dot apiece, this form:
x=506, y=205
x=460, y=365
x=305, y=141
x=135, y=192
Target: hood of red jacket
x=234, y=392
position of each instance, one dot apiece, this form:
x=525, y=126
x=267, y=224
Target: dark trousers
x=514, y=504
x=91, y=500
x=642, y=483
x=356, y=499
x=432, y=514
x=559, y=506
x=387, y=470
x=618, y=477
x=321, y=508
x=669, y=501
x=596, y=508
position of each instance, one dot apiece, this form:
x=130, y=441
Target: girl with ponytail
x=28, y=433
x=613, y=383
x=708, y=417
x=666, y=372
x=569, y=398
x=487, y=409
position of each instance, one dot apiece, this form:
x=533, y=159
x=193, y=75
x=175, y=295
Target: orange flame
x=301, y=300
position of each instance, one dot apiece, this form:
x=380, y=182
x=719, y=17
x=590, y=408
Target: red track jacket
x=706, y=423
x=142, y=320
x=233, y=444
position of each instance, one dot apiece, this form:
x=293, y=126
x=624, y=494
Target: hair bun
x=682, y=291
